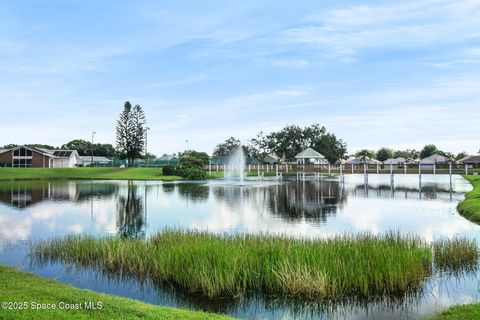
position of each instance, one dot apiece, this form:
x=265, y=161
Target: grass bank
x=215, y=265
x=470, y=207
x=463, y=312
x=84, y=173
x=16, y=286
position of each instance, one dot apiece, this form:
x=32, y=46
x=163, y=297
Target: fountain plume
x=235, y=166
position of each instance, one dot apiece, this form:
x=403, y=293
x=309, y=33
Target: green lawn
x=16, y=286
x=470, y=207
x=84, y=173
x=464, y=312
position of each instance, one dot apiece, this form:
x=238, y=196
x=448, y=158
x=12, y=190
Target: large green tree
x=291, y=140
x=461, y=155
x=384, y=154
x=226, y=148
x=332, y=148
x=131, y=131
x=365, y=153
x=428, y=150
x=288, y=142
x=407, y=154
x=85, y=148
x=259, y=146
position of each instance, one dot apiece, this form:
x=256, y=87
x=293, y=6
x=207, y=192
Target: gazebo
x=310, y=156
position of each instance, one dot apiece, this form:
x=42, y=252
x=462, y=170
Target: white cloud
x=344, y=33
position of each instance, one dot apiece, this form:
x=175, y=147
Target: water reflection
x=27, y=193
x=131, y=216
x=40, y=210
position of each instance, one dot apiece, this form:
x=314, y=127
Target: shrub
x=169, y=170
x=192, y=172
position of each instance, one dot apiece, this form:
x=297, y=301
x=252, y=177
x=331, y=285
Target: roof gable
x=309, y=153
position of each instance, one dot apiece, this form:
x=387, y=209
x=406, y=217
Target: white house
x=310, y=156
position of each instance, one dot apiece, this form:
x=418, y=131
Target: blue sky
x=380, y=73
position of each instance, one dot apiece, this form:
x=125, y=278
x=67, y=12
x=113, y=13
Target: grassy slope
x=466, y=312
x=83, y=173
x=470, y=207
x=18, y=286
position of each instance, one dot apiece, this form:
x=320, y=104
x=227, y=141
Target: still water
x=41, y=210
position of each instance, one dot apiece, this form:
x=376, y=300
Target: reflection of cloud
x=12, y=229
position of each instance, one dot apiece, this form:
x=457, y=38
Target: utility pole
x=146, y=152
x=93, y=134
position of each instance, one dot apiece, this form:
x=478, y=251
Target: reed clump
x=453, y=255
x=221, y=265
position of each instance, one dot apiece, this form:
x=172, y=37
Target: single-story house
x=310, y=156
x=361, y=161
x=470, y=160
x=400, y=161
x=271, y=159
x=435, y=159
x=30, y=157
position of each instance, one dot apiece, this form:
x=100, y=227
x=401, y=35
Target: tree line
x=384, y=153
x=287, y=142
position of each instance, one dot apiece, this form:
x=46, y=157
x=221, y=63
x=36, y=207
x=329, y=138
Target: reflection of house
x=26, y=157
x=470, y=160
x=310, y=156
x=25, y=194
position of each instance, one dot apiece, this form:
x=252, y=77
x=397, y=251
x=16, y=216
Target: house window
x=22, y=158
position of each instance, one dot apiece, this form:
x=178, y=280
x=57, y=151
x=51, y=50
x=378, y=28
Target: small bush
x=192, y=173
x=169, y=170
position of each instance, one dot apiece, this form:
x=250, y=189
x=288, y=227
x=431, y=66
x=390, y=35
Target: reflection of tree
x=193, y=191
x=168, y=187
x=99, y=190
x=312, y=201
x=130, y=221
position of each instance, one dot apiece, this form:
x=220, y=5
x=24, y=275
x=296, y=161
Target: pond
x=31, y=210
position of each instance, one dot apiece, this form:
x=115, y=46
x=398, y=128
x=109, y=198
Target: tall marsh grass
x=216, y=265
x=455, y=255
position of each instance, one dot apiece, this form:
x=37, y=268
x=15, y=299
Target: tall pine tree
x=131, y=132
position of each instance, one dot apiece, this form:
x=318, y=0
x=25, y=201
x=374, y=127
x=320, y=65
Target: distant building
x=435, y=159
x=310, y=156
x=470, y=160
x=271, y=159
x=30, y=157
x=400, y=161
x=362, y=160
x=97, y=160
